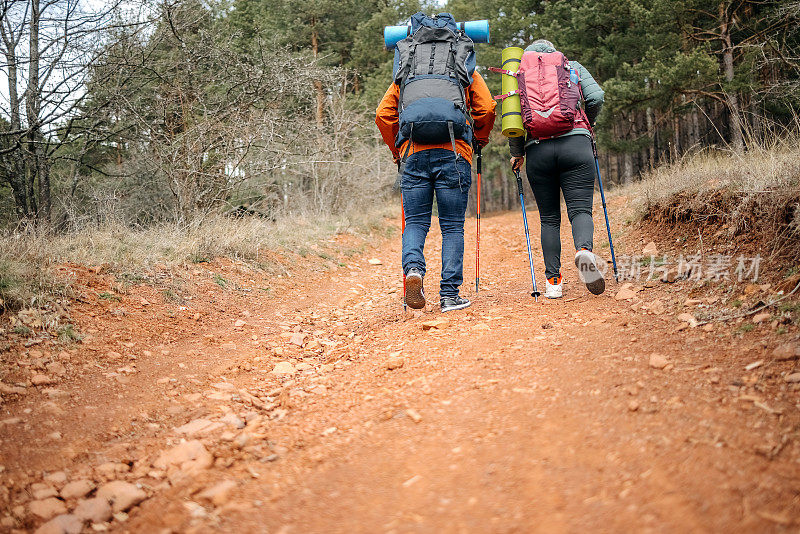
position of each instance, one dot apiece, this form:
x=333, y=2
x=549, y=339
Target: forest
x=143, y=113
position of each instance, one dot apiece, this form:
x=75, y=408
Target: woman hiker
x=565, y=164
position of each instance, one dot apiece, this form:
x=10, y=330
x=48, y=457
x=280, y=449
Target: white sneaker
x=589, y=272
x=553, y=291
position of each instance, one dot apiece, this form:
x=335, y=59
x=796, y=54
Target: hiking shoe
x=454, y=303
x=415, y=295
x=589, y=272
x=553, y=287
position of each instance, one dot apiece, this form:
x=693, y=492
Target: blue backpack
x=432, y=68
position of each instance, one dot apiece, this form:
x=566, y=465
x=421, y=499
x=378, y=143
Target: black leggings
x=563, y=164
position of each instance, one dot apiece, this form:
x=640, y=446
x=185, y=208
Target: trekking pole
x=535, y=293
x=403, y=231
x=478, y=229
x=605, y=209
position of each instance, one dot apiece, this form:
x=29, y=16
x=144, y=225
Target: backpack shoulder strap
x=451, y=60
x=406, y=70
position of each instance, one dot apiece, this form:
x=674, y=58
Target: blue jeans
x=427, y=171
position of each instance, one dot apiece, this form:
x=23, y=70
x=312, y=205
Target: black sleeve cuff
x=517, y=146
x=592, y=112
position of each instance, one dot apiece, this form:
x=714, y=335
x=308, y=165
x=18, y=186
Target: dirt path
x=510, y=416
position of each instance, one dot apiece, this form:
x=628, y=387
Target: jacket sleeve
x=517, y=146
x=482, y=105
x=593, y=94
x=387, y=119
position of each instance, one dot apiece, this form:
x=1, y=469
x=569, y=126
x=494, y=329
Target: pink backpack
x=549, y=92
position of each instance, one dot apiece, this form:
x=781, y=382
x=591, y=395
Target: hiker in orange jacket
x=435, y=167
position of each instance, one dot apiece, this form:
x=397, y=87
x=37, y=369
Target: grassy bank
x=750, y=198
x=27, y=260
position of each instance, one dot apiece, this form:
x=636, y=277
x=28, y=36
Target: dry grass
x=27, y=260
x=759, y=170
x=26, y=280
x=748, y=197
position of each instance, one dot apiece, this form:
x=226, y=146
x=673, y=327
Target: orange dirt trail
x=510, y=416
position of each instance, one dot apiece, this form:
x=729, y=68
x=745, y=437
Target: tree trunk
x=731, y=97
x=30, y=179
x=38, y=171
x=628, y=171
x=625, y=160
x=318, y=87
x=43, y=176
x=16, y=168
x=651, y=149
x=32, y=96
x=755, y=121
x=676, y=137
x=642, y=154
x=696, y=136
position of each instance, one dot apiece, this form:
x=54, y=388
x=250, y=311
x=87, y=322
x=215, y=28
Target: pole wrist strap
x=503, y=71
x=506, y=95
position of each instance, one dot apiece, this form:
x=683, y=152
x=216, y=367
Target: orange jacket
x=478, y=98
